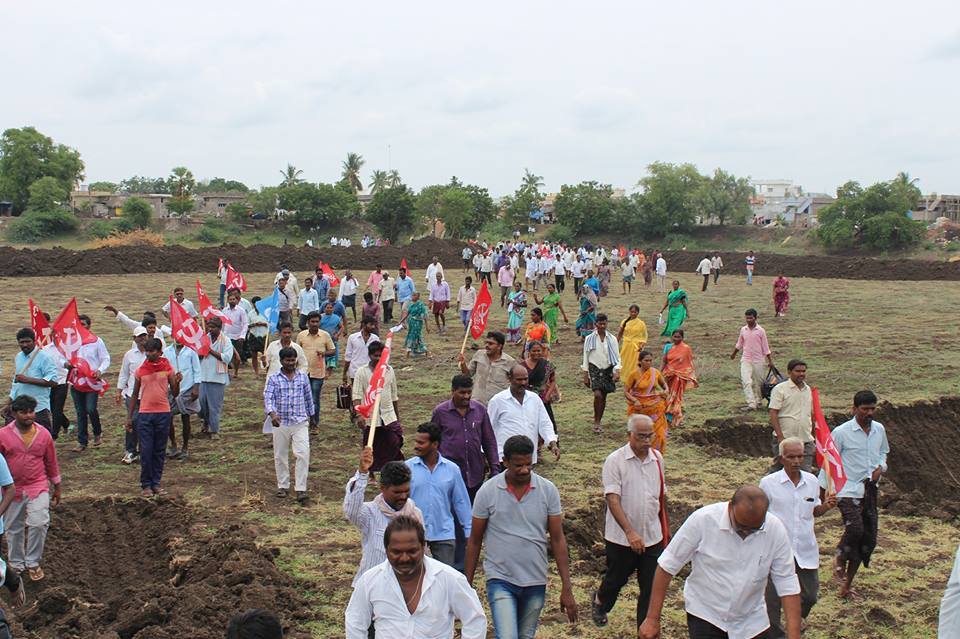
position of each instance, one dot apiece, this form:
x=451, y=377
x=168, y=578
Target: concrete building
x=776, y=189
x=106, y=204
x=932, y=206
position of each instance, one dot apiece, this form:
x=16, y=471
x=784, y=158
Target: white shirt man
x=432, y=269
x=509, y=417
x=577, y=269
x=309, y=301
x=532, y=268
x=704, y=267
x=237, y=328
x=96, y=355
x=186, y=304
x=356, y=351
x=661, y=267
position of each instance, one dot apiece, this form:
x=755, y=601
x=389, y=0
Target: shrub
x=559, y=233
x=101, y=228
x=496, y=229
x=33, y=226
x=208, y=235
x=138, y=211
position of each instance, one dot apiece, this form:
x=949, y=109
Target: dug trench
x=924, y=438
x=139, y=569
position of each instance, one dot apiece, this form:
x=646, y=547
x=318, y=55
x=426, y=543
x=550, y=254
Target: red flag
x=403, y=264
x=377, y=381
x=81, y=377
x=186, y=330
x=329, y=275
x=826, y=450
x=622, y=251
x=481, y=312
x=40, y=325
x=207, y=309
x=68, y=333
x=235, y=279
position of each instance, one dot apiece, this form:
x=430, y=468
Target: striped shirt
x=290, y=399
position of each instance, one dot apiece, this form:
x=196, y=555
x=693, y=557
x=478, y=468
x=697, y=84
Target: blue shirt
x=212, y=369
x=439, y=494
x=593, y=283
x=5, y=480
x=187, y=363
x=42, y=367
x=405, y=289
x=321, y=285
x=290, y=399
x=860, y=453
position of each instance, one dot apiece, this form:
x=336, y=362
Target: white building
x=776, y=189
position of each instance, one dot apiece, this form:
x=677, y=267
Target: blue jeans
x=153, y=428
x=316, y=385
x=515, y=609
x=750, y=276
x=86, y=405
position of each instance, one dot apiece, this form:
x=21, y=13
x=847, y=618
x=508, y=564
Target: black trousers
x=706, y=280
x=622, y=562
x=577, y=283
x=700, y=629
x=561, y=282
x=387, y=310
x=58, y=399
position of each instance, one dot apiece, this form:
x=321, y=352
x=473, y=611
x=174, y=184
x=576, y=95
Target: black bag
x=344, y=399
x=772, y=379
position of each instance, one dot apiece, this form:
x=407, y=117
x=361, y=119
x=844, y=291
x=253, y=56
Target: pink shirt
x=753, y=343
x=505, y=276
x=373, y=282
x=32, y=466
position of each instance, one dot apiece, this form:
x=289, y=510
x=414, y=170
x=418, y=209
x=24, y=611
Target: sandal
x=36, y=573
x=146, y=492
x=597, y=429
x=159, y=491
x=78, y=449
x=281, y=493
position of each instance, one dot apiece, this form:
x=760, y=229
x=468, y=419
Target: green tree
x=393, y=179
x=455, y=211
x=378, y=181
x=138, y=211
x=428, y=205
x=221, y=185
x=239, y=212
x=351, y=171
x=137, y=184
x=725, y=197
x=455, y=181
x=26, y=155
x=483, y=209
x=669, y=198
x=110, y=187
x=393, y=211
x=874, y=217
x=264, y=200
x=317, y=204
x=182, y=186
x=47, y=194
x=517, y=207
x=586, y=207
x=531, y=182
x=291, y=175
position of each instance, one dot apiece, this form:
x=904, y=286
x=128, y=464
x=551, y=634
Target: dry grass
x=900, y=339
x=139, y=237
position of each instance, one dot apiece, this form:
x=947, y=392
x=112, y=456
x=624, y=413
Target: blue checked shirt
x=289, y=398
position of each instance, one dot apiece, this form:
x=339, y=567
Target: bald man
x=733, y=548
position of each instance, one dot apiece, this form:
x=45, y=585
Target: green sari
x=416, y=318
x=676, y=312
x=551, y=314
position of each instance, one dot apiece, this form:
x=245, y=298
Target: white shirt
x=637, y=481
x=466, y=298
x=356, y=352
x=273, y=357
x=132, y=360
x=950, y=605
x=309, y=301
x=445, y=596
x=509, y=417
x=186, y=304
x=432, y=270
x=237, y=329
x=577, y=269
x=704, y=267
x=793, y=506
x=661, y=266
x=349, y=286
x=533, y=266
x=96, y=355
x=728, y=574
x=51, y=351
x=558, y=268
x=486, y=264
x=716, y=262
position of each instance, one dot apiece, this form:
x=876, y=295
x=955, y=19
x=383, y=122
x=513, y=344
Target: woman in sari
x=646, y=392
x=781, y=295
x=537, y=330
x=416, y=316
x=515, y=311
x=677, y=303
x=679, y=374
x=552, y=308
x=542, y=377
x=332, y=324
x=632, y=337
x=588, y=312
x=646, y=267
x=603, y=274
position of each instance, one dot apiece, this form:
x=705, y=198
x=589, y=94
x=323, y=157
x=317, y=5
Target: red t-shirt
x=156, y=378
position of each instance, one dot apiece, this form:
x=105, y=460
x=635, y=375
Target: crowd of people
x=471, y=483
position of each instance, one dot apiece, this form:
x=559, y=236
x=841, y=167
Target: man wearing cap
x=293, y=286
x=132, y=360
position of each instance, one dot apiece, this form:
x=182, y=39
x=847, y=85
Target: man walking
x=236, y=330
x=388, y=439
x=601, y=367
x=791, y=414
x=439, y=300
x=32, y=460
x=661, y=268
x=519, y=411
x=214, y=378
x=635, y=530
x=505, y=277
x=466, y=299
x=716, y=265
x=733, y=548
x=58, y=394
x=489, y=368
x=181, y=299
x=186, y=362
x=514, y=513
x=271, y=356
x=34, y=374
x=437, y=487
x=132, y=360
x=749, y=262
x=155, y=380
x=317, y=345
x=753, y=342
x=86, y=402
x=794, y=496
x=356, y=355
x=434, y=268
x=405, y=290
x=863, y=448
x=288, y=402
x=704, y=269
x=628, y=272
x=308, y=302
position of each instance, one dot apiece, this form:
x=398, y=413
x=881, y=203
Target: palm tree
x=393, y=179
x=351, y=170
x=291, y=176
x=379, y=181
x=181, y=182
x=904, y=179
x=531, y=181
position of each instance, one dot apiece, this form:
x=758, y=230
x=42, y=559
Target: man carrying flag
x=183, y=354
x=235, y=279
x=91, y=360
x=34, y=374
x=378, y=374
x=862, y=446
x=214, y=377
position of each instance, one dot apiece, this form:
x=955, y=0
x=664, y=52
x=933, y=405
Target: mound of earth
x=924, y=438
x=247, y=259
x=150, y=570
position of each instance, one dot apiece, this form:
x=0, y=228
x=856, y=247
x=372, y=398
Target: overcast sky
x=816, y=91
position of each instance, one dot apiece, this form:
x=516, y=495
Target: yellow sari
x=645, y=390
x=633, y=341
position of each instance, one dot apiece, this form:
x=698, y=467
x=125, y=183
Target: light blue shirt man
x=214, y=370
x=861, y=453
x=187, y=363
x=405, y=289
x=42, y=367
x=439, y=494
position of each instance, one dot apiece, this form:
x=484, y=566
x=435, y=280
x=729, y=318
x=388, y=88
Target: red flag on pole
x=82, y=378
x=207, y=309
x=329, y=275
x=40, y=325
x=403, y=264
x=828, y=457
x=235, y=279
x=481, y=312
x=377, y=381
x=186, y=330
x=68, y=333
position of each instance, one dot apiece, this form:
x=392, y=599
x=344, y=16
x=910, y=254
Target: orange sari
x=643, y=390
x=679, y=372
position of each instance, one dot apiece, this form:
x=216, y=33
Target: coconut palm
x=393, y=179
x=351, y=170
x=531, y=181
x=904, y=179
x=379, y=181
x=291, y=176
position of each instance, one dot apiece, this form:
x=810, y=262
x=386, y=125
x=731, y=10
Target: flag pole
x=466, y=335
x=829, y=472
x=374, y=419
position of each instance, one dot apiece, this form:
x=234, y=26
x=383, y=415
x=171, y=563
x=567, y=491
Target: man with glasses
x=732, y=548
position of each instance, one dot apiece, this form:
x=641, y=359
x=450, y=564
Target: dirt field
x=245, y=547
